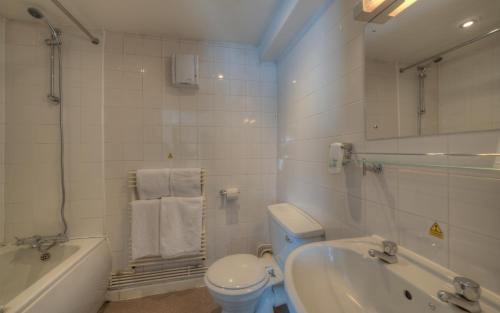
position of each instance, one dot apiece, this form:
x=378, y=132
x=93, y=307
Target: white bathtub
x=74, y=280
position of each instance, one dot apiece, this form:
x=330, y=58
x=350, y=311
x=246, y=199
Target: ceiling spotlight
x=467, y=24
x=220, y=77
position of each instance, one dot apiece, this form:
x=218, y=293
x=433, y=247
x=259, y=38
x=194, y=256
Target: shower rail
x=92, y=38
x=463, y=44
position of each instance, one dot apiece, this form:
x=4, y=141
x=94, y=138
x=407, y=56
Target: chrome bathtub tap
x=466, y=296
x=42, y=243
x=33, y=241
x=389, y=253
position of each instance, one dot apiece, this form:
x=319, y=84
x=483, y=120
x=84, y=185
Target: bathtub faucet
x=466, y=296
x=389, y=253
x=42, y=243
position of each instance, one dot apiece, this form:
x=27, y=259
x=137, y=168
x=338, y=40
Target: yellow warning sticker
x=436, y=231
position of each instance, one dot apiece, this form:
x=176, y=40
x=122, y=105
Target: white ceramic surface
x=237, y=271
x=339, y=276
x=73, y=280
x=295, y=221
x=246, y=299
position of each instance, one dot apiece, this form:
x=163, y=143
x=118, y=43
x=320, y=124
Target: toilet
x=244, y=283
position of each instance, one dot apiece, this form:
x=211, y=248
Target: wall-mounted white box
x=185, y=70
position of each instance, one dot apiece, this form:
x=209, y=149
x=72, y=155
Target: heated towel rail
x=155, y=269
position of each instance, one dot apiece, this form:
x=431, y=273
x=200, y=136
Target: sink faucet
x=389, y=253
x=466, y=297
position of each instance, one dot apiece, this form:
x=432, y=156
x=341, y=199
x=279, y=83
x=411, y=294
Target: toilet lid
x=237, y=271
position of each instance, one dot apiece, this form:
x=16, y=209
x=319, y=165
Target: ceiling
x=240, y=21
x=429, y=27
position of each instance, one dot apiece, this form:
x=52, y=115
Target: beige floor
x=188, y=301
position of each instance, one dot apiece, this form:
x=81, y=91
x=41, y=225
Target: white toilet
x=238, y=283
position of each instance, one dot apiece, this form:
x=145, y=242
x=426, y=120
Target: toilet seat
x=237, y=274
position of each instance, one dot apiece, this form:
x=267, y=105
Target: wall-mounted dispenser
x=185, y=70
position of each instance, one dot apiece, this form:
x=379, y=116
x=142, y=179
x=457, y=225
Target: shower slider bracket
x=376, y=168
x=366, y=165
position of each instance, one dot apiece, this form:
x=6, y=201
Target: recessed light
x=467, y=24
x=294, y=81
x=220, y=77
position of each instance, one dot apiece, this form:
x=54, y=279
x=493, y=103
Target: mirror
x=433, y=69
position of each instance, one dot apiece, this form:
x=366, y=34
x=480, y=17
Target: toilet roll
x=232, y=194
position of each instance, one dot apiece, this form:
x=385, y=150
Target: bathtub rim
x=33, y=292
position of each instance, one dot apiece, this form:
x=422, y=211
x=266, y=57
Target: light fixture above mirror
x=380, y=11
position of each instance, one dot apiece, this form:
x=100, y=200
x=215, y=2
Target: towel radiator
x=155, y=269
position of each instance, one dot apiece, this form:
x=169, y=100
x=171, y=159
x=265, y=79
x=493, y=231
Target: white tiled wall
x=32, y=191
x=228, y=126
x=382, y=100
x=461, y=93
x=321, y=101
x=2, y=128
x=469, y=89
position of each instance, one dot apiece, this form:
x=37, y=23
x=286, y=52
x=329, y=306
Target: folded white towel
x=180, y=226
x=145, y=228
x=186, y=182
x=153, y=183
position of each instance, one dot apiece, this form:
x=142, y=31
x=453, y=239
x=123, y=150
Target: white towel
x=145, y=228
x=186, y=182
x=180, y=226
x=153, y=183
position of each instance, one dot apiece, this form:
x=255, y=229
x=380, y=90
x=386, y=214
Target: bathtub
x=73, y=280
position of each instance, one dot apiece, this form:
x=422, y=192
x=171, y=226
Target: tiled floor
x=188, y=301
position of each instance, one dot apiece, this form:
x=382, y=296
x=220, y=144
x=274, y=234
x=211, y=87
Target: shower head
x=36, y=13
x=437, y=60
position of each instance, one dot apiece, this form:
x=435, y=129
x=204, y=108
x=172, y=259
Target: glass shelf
x=429, y=165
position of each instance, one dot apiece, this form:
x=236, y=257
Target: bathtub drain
x=45, y=256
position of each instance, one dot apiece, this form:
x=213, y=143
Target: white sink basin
x=340, y=277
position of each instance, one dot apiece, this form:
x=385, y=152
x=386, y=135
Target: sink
x=340, y=277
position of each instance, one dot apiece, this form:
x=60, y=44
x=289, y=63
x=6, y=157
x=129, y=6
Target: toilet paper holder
x=229, y=195
x=223, y=192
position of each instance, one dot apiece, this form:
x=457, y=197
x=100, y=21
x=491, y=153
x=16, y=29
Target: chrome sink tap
x=389, y=253
x=467, y=295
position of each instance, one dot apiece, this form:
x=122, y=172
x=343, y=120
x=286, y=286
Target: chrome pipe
x=421, y=97
x=93, y=39
x=463, y=44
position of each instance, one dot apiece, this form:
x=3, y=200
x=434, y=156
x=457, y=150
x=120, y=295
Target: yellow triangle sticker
x=436, y=231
